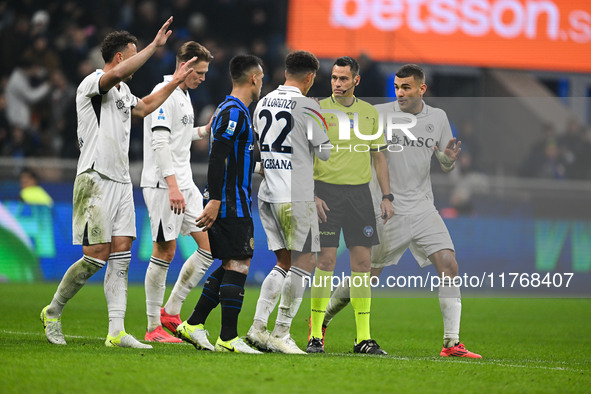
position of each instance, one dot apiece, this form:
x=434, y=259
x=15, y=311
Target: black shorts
x=232, y=238
x=351, y=209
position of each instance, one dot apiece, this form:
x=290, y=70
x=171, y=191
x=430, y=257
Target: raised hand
x=182, y=72
x=163, y=33
x=452, y=150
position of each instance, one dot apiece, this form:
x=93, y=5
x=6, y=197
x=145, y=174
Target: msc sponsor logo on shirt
x=187, y=119
x=418, y=143
x=120, y=104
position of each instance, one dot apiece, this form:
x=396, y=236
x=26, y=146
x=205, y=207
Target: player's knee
x=361, y=266
x=284, y=265
x=164, y=250
x=325, y=263
x=167, y=256
x=375, y=272
x=448, y=264
x=239, y=265
x=97, y=251
x=283, y=259
x=121, y=244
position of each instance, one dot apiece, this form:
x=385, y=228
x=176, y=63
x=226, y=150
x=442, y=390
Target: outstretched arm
x=148, y=104
x=127, y=67
x=202, y=131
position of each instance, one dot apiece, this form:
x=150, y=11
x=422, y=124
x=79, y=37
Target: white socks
x=191, y=273
x=116, y=290
x=339, y=299
x=75, y=277
x=292, y=292
x=451, y=308
x=270, y=291
x=155, y=284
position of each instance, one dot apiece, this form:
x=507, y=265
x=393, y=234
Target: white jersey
x=281, y=122
x=410, y=168
x=104, y=125
x=175, y=114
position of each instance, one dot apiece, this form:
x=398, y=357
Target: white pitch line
x=397, y=358
x=67, y=336
x=470, y=362
x=41, y=334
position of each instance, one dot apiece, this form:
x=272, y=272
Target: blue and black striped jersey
x=231, y=161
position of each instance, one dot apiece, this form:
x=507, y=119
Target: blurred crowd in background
x=47, y=47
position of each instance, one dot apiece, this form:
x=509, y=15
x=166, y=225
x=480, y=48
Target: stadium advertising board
x=523, y=34
x=535, y=257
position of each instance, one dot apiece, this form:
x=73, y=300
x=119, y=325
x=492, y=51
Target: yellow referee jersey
x=350, y=159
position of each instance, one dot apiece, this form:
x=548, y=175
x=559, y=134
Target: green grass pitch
x=528, y=345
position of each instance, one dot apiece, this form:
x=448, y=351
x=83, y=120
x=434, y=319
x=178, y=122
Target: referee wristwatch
x=389, y=197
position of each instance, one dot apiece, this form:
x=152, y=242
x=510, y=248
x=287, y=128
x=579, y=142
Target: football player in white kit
x=416, y=223
x=286, y=197
x=103, y=219
x=174, y=202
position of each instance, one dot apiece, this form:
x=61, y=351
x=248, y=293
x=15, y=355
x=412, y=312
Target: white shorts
x=102, y=209
x=166, y=225
x=424, y=234
x=291, y=225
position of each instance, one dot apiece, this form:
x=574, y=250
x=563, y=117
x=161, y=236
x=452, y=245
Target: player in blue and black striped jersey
x=230, y=182
x=227, y=216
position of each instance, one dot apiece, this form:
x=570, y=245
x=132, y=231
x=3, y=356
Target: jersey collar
x=237, y=100
x=346, y=106
x=423, y=112
x=290, y=89
x=168, y=78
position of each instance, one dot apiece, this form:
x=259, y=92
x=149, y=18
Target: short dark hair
x=241, y=64
x=116, y=42
x=348, y=61
x=28, y=171
x=301, y=62
x=192, y=49
x=411, y=70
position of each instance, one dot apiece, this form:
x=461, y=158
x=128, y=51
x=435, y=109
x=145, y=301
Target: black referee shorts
x=351, y=209
x=232, y=238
